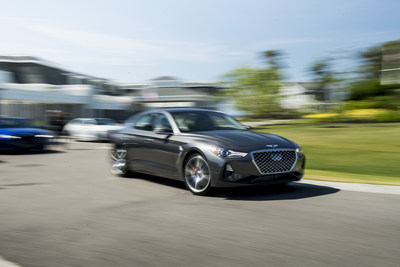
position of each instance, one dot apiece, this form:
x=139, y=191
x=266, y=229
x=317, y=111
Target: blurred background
x=324, y=74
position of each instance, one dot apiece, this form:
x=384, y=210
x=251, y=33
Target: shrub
x=379, y=102
x=357, y=115
x=323, y=117
x=389, y=116
x=363, y=114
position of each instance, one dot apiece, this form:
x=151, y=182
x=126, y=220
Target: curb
x=5, y=263
x=368, y=188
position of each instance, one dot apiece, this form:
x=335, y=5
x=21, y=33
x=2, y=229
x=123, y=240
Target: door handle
x=148, y=140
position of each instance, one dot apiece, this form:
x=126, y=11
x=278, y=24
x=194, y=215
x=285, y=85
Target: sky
x=131, y=41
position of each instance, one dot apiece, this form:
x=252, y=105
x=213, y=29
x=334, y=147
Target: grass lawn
x=360, y=153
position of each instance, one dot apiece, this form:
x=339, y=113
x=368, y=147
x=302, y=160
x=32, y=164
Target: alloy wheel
x=197, y=175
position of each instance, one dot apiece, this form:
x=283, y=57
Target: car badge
x=120, y=154
x=272, y=145
x=276, y=156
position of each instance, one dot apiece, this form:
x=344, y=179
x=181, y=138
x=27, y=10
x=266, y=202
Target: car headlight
x=225, y=153
x=6, y=136
x=298, y=150
x=44, y=136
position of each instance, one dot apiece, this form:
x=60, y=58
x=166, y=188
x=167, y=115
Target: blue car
x=21, y=134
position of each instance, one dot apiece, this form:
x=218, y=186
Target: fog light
x=229, y=168
x=230, y=175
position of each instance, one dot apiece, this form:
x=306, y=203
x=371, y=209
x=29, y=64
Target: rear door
x=136, y=142
x=150, y=151
x=162, y=149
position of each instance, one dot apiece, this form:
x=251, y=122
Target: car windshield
x=15, y=123
x=194, y=121
x=105, y=122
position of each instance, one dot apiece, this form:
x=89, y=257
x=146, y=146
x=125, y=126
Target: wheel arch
x=189, y=153
x=193, y=153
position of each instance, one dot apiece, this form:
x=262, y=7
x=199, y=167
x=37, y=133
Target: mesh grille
x=279, y=161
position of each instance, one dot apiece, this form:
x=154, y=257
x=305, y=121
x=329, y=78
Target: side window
x=89, y=122
x=144, y=123
x=160, y=120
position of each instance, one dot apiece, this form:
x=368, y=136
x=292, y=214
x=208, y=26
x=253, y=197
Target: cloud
x=284, y=42
x=133, y=49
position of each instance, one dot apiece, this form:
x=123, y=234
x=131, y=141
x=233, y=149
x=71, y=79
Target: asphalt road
x=64, y=208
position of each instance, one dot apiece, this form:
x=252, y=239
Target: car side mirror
x=248, y=127
x=163, y=130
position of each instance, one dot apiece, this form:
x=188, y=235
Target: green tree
x=376, y=80
x=324, y=76
x=256, y=90
x=368, y=83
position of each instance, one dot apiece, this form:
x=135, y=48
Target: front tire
x=197, y=175
x=119, y=162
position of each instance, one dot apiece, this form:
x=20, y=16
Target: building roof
x=27, y=59
x=165, y=78
x=174, y=91
x=310, y=86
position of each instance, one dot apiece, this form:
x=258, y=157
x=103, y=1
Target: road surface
x=64, y=208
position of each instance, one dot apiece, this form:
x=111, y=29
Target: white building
x=298, y=96
x=30, y=86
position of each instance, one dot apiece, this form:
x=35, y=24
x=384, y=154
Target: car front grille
x=275, y=161
x=28, y=139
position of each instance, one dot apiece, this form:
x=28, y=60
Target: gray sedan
x=205, y=149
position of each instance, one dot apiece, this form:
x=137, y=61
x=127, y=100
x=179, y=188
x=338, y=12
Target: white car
x=90, y=129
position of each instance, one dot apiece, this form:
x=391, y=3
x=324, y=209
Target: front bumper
x=244, y=171
x=24, y=142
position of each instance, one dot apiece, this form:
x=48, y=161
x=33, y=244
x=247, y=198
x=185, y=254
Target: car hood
x=23, y=131
x=245, y=140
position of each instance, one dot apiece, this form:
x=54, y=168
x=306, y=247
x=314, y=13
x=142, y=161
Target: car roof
x=92, y=119
x=186, y=110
